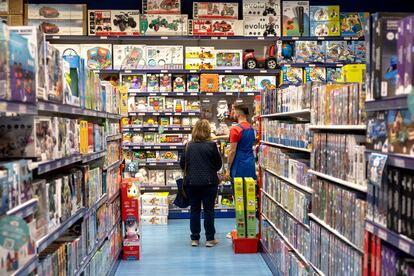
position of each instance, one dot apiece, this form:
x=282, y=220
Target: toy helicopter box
x=292, y=75
x=129, y=57
x=97, y=56
x=261, y=25
x=295, y=20
x=164, y=57
x=261, y=7
x=164, y=24
x=250, y=192
x=240, y=208
x=161, y=6
x=208, y=27
x=205, y=10
x=353, y=23
x=113, y=22
x=315, y=74
x=229, y=59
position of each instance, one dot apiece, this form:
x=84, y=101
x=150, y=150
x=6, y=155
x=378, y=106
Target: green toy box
x=250, y=195
x=240, y=210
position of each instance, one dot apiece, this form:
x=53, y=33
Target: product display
x=295, y=20
x=163, y=24
x=113, y=22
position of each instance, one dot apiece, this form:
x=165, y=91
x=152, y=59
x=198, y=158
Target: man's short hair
x=241, y=108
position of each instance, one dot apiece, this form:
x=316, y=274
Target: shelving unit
x=290, y=182
x=341, y=182
x=24, y=210
x=286, y=147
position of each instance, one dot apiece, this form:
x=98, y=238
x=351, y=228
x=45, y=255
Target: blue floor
x=166, y=250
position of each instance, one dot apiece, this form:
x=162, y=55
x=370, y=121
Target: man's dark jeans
x=207, y=195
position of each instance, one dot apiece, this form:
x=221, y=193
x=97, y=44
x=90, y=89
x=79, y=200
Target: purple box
x=409, y=55
x=400, y=56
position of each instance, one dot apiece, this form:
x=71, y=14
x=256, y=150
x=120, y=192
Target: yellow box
x=240, y=209
x=250, y=193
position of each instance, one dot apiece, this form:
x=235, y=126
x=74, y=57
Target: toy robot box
x=129, y=57
x=216, y=27
x=164, y=57
x=240, y=208
x=353, y=23
x=229, y=59
x=295, y=20
x=250, y=192
x=261, y=8
x=161, y=6
x=97, y=56
x=164, y=24
x=262, y=25
x=204, y=10
x=113, y=22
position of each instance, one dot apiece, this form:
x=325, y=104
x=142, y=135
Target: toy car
x=48, y=12
x=222, y=26
x=123, y=21
x=250, y=61
x=49, y=28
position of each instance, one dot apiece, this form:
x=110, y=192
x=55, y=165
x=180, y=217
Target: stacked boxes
x=240, y=209
x=154, y=208
x=245, y=201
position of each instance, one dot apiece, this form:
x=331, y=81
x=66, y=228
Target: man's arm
x=231, y=154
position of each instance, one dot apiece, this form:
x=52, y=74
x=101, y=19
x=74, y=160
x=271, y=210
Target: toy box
x=97, y=56
x=240, y=207
x=359, y=51
x=179, y=105
x=353, y=23
x=155, y=211
x=315, y=74
x=250, y=84
x=72, y=87
x=161, y=6
x=339, y=51
x=137, y=104
x=178, y=83
x=262, y=25
x=261, y=8
x=113, y=22
x=171, y=176
x=12, y=19
x=292, y=76
x=129, y=57
x=152, y=156
x=309, y=51
x=285, y=51
x=134, y=82
x=12, y=191
x=324, y=13
x=153, y=82
x=231, y=83
x=4, y=191
x=11, y=7
x=409, y=56
x=165, y=83
x=154, y=199
x=156, y=104
x=266, y=83
x=400, y=127
x=169, y=156
x=165, y=57
x=209, y=83
x=164, y=24
x=193, y=83
x=295, y=20
x=168, y=107
x=229, y=59
x=154, y=220
x=334, y=75
x=250, y=192
x=204, y=10
x=325, y=28
x=198, y=58
x=156, y=178
x=216, y=27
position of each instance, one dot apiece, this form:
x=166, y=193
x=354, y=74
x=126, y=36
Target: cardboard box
x=154, y=220
x=295, y=20
x=131, y=253
x=12, y=20
x=11, y=7
x=261, y=8
x=164, y=57
x=353, y=23
x=161, y=6
x=129, y=57
x=250, y=192
x=409, y=56
x=154, y=199
x=240, y=207
x=205, y=10
x=292, y=76
x=229, y=59
x=113, y=22
x=97, y=56
x=154, y=211
x=315, y=74
x=164, y=24
x=197, y=58
x=325, y=28
x=217, y=27
x=262, y=25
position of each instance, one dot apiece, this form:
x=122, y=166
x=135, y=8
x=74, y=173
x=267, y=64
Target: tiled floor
x=166, y=250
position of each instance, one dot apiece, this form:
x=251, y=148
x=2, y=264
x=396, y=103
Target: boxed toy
x=324, y=13
x=339, y=51
x=309, y=51
x=171, y=176
x=250, y=192
x=131, y=253
x=11, y=7
x=153, y=82
x=261, y=8
x=208, y=27
x=209, y=83
x=155, y=211
x=4, y=191
x=359, y=51
x=198, y=58
x=97, y=56
x=285, y=51
x=353, y=23
x=168, y=107
x=231, y=83
x=161, y=6
x=229, y=59
x=204, y=10
x=240, y=207
x=129, y=57
x=334, y=75
x=25, y=178
x=154, y=220
x=295, y=20
x=154, y=199
x=324, y=21
x=409, y=56
x=315, y=74
x=152, y=156
x=113, y=22
x=164, y=24
x=261, y=25
x=292, y=76
x=156, y=178
x=193, y=83
x=250, y=84
x=134, y=82
x=400, y=126
x=164, y=57
x=72, y=87
x=169, y=156
x=178, y=83
x=165, y=83
x=266, y=83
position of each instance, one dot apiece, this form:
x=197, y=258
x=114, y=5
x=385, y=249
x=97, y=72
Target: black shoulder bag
x=182, y=199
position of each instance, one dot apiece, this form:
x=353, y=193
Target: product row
x=158, y=121
x=343, y=210
x=150, y=201
x=134, y=158
x=288, y=134
x=162, y=104
x=341, y=156
x=289, y=99
x=338, y=104
x=157, y=177
x=331, y=255
x=391, y=131
x=151, y=138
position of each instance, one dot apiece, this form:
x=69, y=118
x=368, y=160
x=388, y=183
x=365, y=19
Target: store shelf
x=114, y=116
x=399, y=102
x=24, y=210
x=101, y=201
x=159, y=164
x=286, y=147
x=336, y=233
x=17, y=107
x=55, y=108
x=305, y=113
x=183, y=71
x=339, y=127
x=156, y=128
x=291, y=182
x=402, y=242
x=88, y=258
x=28, y=267
x=168, y=94
x=113, y=197
x=157, y=188
x=396, y=160
x=93, y=156
x=341, y=182
x=56, y=233
x=154, y=147
x=185, y=213
x=269, y=260
x=113, y=165
x=297, y=253
x=184, y=113
x=286, y=210
x=114, y=266
x=113, y=137
x=48, y=166
x=316, y=269
x=221, y=94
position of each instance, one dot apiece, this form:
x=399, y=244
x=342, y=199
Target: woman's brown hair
x=201, y=131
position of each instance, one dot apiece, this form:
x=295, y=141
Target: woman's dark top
x=203, y=163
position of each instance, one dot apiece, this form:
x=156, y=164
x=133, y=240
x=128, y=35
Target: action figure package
x=295, y=20
x=309, y=51
x=165, y=83
x=193, y=83
x=262, y=25
x=400, y=126
x=164, y=24
x=324, y=21
x=261, y=7
x=153, y=82
x=179, y=83
x=161, y=6
x=164, y=57
x=353, y=23
x=205, y=10
x=266, y=83
x=97, y=56
x=231, y=83
x=208, y=27
x=229, y=59
x=129, y=57
x=134, y=82
x=315, y=74
x=285, y=52
x=113, y=22
x=339, y=51
x=292, y=75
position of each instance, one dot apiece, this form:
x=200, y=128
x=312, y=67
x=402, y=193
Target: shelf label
x=263, y=71
x=214, y=38
x=187, y=128
x=227, y=71
x=56, y=37
x=170, y=164
x=321, y=38
x=164, y=94
x=141, y=114
x=191, y=113
x=180, y=94
x=339, y=65
x=194, y=94
x=164, y=37
x=206, y=101
x=151, y=129
x=260, y=38
x=147, y=147
x=178, y=113
x=128, y=71
x=153, y=94
x=193, y=71
x=404, y=246
x=103, y=37
x=184, y=211
x=209, y=94
x=382, y=234
x=157, y=147
x=347, y=38
x=229, y=94
x=173, y=147
x=168, y=114
x=164, y=71
x=399, y=162
x=152, y=164
x=156, y=114
x=155, y=188
x=295, y=38
x=250, y=94
x=312, y=65
x=223, y=37
x=224, y=210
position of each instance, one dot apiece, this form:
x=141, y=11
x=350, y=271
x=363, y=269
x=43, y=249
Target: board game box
x=315, y=74
x=216, y=10
x=240, y=207
x=164, y=57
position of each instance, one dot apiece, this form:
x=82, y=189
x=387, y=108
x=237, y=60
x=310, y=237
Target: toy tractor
x=169, y=4
x=123, y=21
x=157, y=23
x=269, y=61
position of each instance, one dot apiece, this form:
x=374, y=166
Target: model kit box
x=161, y=6
x=295, y=20
x=315, y=74
x=208, y=27
x=250, y=192
x=164, y=57
x=240, y=208
x=113, y=22
x=353, y=23
x=97, y=56
x=261, y=8
x=164, y=24
x=262, y=25
x=339, y=51
x=129, y=57
x=204, y=10
x=229, y=59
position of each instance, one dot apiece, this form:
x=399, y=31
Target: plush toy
x=133, y=190
x=222, y=110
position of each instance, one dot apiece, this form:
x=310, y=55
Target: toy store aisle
x=166, y=250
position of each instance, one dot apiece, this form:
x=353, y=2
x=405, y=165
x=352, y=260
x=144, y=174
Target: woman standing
x=203, y=161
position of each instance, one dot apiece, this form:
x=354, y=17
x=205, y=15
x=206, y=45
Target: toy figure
x=131, y=228
x=179, y=84
x=222, y=110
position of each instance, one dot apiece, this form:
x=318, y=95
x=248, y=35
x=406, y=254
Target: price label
x=153, y=94
x=339, y=65
x=191, y=113
x=404, y=246
x=157, y=147
x=382, y=234
x=193, y=71
x=151, y=129
x=187, y=128
x=223, y=37
x=173, y=147
x=164, y=71
x=260, y=38
x=250, y=94
x=141, y=114
x=214, y=38
x=152, y=164
x=194, y=94
x=321, y=38
x=227, y=71
x=155, y=188
x=56, y=37
x=156, y=113
x=170, y=164
x=104, y=37
x=180, y=94
x=178, y=113
x=295, y=38
x=164, y=94
x=128, y=71
x=347, y=38
x=399, y=162
x=164, y=37
x=224, y=210
x=168, y=114
x=147, y=147
x=229, y=94
x=209, y=94
x=184, y=211
x=263, y=71
x=312, y=65
x=206, y=101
